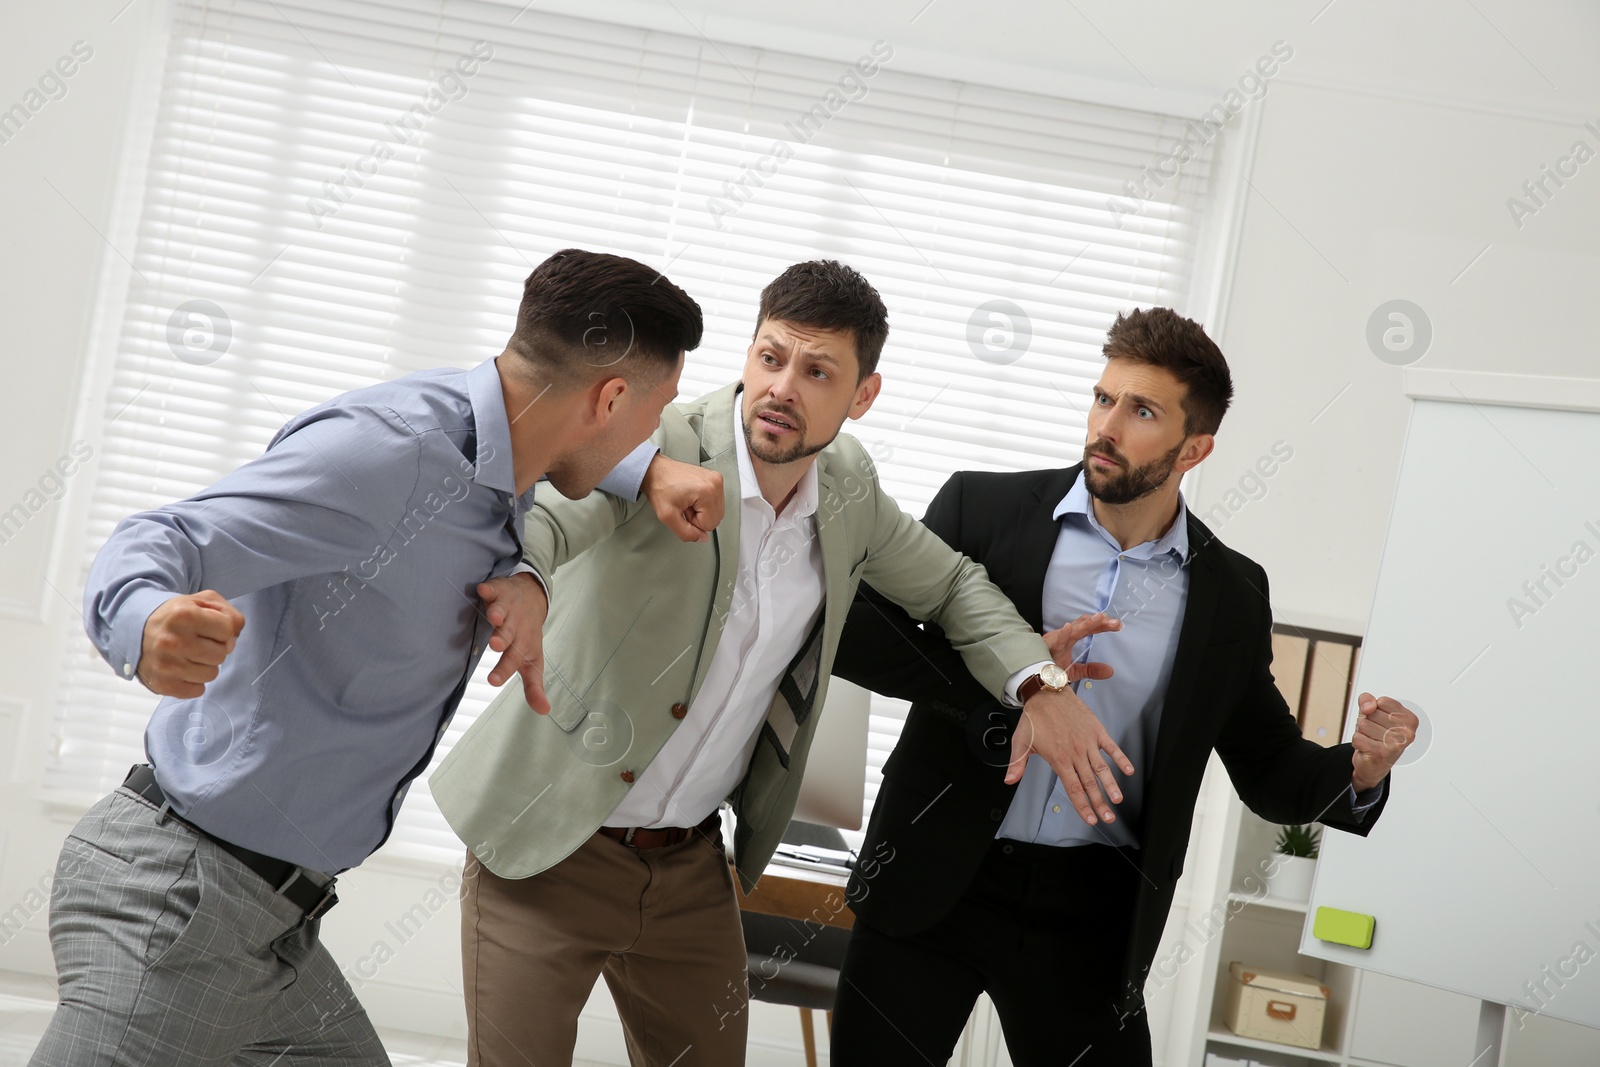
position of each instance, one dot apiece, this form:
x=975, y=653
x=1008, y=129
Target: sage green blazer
x=635, y=618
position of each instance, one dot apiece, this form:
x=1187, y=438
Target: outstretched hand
x=516, y=607
x=1061, y=642
x=1062, y=729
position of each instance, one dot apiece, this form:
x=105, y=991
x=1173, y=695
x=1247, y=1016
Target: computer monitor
x=834, y=786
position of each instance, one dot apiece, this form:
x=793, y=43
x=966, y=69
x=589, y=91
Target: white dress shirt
x=777, y=594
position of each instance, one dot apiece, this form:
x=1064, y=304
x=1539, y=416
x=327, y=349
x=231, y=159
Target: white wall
x=1397, y=196
x=59, y=173
x=1387, y=148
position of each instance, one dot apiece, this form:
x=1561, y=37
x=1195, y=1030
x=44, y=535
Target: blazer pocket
x=567, y=709
x=566, y=714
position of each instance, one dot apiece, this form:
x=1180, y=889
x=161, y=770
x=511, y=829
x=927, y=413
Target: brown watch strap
x=1029, y=687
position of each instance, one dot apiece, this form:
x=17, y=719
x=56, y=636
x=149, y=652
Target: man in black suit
x=983, y=871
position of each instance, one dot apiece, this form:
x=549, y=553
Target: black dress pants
x=1042, y=930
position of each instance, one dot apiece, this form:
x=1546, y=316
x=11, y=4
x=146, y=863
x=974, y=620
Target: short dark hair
x=585, y=313
x=1160, y=337
x=827, y=295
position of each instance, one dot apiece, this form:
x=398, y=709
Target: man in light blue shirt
x=312, y=620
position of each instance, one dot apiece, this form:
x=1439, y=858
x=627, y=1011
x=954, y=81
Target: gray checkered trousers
x=171, y=953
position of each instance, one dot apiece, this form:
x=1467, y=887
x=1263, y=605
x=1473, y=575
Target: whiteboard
x=1484, y=870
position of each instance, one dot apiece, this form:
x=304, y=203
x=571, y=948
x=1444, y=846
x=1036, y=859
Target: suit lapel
x=1037, y=529
x=717, y=453
x=835, y=542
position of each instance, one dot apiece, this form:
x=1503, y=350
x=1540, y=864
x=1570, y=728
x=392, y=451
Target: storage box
x=1273, y=1006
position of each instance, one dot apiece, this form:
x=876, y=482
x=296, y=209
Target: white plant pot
x=1292, y=882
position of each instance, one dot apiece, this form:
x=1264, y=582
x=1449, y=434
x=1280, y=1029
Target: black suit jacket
x=943, y=793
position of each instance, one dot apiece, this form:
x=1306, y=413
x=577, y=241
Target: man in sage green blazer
x=680, y=675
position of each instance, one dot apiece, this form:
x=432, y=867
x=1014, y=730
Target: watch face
x=1053, y=676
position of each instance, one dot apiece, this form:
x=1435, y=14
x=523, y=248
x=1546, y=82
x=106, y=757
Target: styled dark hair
x=588, y=313
x=827, y=295
x=1160, y=337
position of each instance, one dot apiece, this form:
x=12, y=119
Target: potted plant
x=1297, y=862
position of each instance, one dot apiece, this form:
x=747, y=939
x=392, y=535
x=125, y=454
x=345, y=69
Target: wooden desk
x=800, y=893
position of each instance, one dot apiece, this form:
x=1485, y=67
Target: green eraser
x=1343, y=927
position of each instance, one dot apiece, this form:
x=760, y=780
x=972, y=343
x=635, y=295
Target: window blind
x=340, y=192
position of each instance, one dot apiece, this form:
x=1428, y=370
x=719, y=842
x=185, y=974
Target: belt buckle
x=323, y=906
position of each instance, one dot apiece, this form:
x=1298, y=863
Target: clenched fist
x=185, y=641
x=688, y=499
x=1384, y=732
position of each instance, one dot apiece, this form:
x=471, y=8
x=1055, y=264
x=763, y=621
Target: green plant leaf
x=1299, y=841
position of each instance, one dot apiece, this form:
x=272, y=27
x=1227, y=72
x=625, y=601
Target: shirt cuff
x=524, y=567
x=1016, y=680
x=626, y=479
x=1362, y=802
x=125, y=643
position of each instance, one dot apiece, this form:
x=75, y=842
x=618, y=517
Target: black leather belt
x=287, y=879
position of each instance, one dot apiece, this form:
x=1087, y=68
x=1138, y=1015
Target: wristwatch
x=1050, y=677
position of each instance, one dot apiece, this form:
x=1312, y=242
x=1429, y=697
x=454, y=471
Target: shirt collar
x=1077, y=504
x=492, y=465
x=804, y=502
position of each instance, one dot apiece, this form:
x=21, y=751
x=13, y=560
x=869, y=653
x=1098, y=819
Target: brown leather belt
x=643, y=837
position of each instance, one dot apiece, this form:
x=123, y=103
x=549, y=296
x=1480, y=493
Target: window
x=340, y=192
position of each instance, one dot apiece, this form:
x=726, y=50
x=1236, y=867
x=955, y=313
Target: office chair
x=797, y=961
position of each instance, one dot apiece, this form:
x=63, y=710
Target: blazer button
x=679, y=710
x=627, y=776
x=994, y=814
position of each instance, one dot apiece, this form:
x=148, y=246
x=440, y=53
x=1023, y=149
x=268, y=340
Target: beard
x=778, y=454
x=1130, y=483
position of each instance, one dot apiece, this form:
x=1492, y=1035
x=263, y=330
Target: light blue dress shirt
x=1146, y=587
x=353, y=547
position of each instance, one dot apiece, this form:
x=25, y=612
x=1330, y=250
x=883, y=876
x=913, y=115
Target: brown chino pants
x=661, y=924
